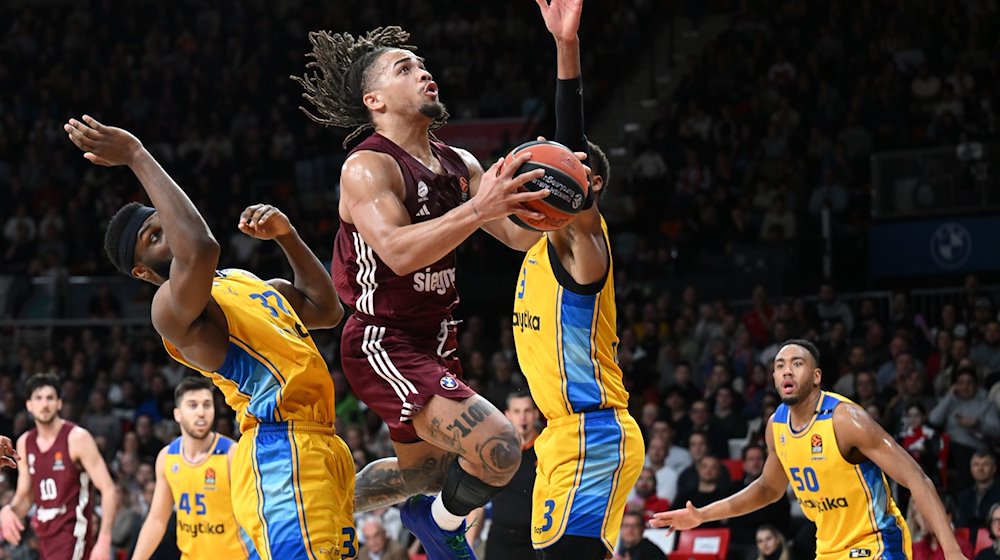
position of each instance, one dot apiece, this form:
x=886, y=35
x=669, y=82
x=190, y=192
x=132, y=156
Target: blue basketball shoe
x=438, y=543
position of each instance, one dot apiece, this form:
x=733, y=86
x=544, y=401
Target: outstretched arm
x=312, y=294
x=767, y=489
x=857, y=431
x=83, y=448
x=8, y=455
x=11, y=525
x=155, y=525
x=182, y=299
x=582, y=248
x=371, y=192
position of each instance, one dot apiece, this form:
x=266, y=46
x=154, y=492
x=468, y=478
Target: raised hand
x=499, y=190
x=103, y=145
x=8, y=454
x=678, y=520
x=562, y=17
x=263, y=221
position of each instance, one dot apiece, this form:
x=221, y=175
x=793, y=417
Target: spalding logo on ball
x=565, y=178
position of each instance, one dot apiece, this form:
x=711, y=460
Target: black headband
x=130, y=234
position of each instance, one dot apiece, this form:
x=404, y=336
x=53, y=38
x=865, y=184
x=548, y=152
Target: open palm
x=562, y=17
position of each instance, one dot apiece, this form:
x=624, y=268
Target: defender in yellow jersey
x=836, y=458
x=292, y=482
x=591, y=451
x=192, y=473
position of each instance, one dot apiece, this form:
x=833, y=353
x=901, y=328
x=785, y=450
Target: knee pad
x=463, y=492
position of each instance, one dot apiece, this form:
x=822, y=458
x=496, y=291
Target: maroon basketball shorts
x=396, y=371
x=65, y=546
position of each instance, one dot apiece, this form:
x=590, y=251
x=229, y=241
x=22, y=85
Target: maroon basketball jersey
x=427, y=296
x=63, y=493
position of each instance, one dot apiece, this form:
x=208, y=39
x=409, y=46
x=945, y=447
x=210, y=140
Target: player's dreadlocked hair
x=341, y=64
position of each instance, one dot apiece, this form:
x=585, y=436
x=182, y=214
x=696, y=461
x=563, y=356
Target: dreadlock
x=341, y=64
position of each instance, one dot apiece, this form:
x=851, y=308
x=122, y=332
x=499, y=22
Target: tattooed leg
x=418, y=469
x=484, y=439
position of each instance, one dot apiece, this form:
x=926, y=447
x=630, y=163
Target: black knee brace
x=463, y=492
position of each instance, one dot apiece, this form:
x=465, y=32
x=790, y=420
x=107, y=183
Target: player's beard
x=433, y=110
x=793, y=400
x=161, y=267
x=48, y=420
x=193, y=432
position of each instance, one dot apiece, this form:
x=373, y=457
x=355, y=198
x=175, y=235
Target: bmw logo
x=951, y=245
x=450, y=383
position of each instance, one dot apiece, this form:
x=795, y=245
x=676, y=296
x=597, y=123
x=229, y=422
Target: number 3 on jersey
x=807, y=480
x=549, y=506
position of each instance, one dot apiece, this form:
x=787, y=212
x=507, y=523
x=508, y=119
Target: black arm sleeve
x=569, y=120
x=569, y=114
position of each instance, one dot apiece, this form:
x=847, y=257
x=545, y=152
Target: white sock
x=444, y=518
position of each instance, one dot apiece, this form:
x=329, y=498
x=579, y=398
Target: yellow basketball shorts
x=587, y=465
x=293, y=491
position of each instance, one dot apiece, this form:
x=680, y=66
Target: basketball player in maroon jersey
x=58, y=467
x=406, y=202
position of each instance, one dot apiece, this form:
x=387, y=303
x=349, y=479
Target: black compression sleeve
x=569, y=121
x=569, y=114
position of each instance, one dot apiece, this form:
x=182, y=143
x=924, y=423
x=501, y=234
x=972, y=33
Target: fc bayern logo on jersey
x=209, y=478
x=450, y=383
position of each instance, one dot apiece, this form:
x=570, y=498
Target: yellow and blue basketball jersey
x=292, y=476
x=566, y=340
x=206, y=526
x=851, y=505
x=591, y=451
x=273, y=371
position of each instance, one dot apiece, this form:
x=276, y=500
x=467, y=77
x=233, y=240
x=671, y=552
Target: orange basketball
x=565, y=178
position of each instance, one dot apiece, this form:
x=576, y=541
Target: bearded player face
x=196, y=413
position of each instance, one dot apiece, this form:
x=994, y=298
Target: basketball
x=565, y=177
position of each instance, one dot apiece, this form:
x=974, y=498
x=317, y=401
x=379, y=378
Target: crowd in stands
x=773, y=122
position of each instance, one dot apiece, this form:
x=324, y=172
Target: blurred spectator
x=967, y=416
x=646, y=501
x=922, y=442
x=993, y=551
x=677, y=457
x=377, y=544
x=743, y=529
x=831, y=309
x=665, y=475
x=771, y=544
x=986, y=354
x=972, y=505
x=713, y=485
x=149, y=444
x=633, y=545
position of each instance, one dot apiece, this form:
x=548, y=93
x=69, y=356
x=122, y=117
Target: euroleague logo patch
x=449, y=383
x=817, y=443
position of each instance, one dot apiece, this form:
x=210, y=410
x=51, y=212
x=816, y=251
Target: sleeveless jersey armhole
x=566, y=280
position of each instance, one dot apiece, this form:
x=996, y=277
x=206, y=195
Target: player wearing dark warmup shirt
x=510, y=531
